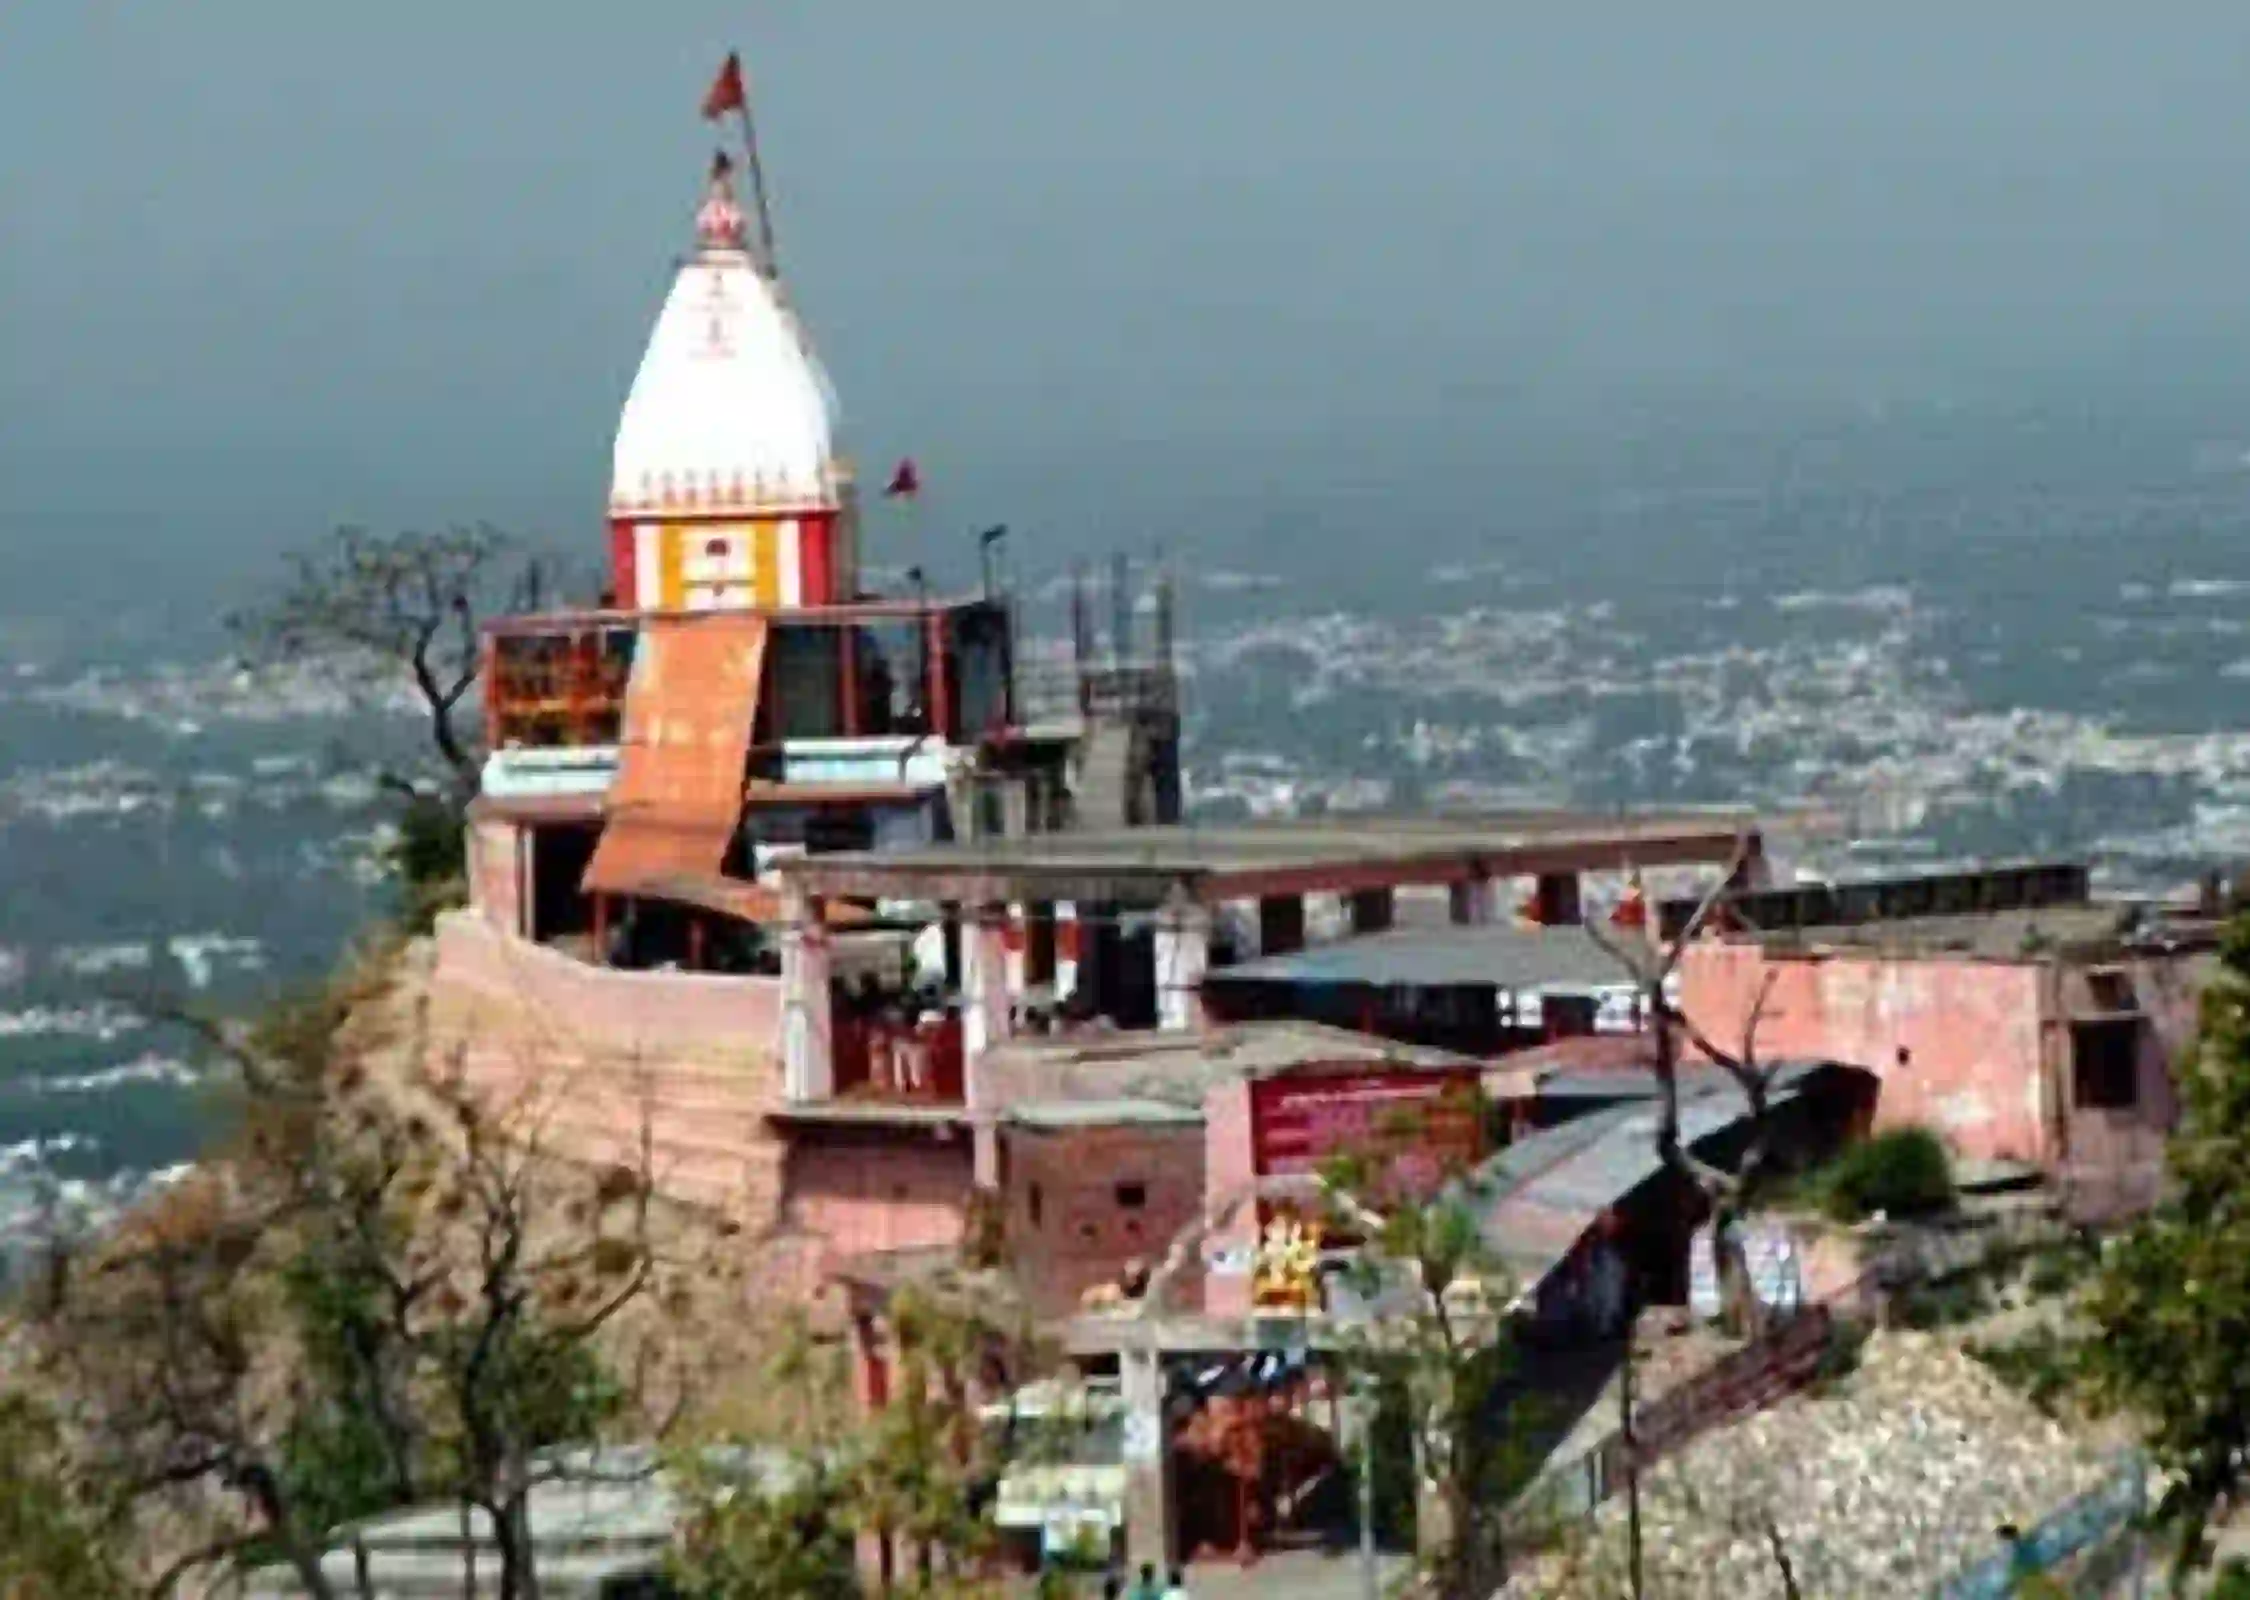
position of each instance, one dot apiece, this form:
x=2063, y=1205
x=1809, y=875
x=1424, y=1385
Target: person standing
x=1175, y=1585
x=1144, y=1587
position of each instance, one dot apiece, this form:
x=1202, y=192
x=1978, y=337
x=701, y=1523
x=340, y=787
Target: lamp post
x=1363, y=1405
x=985, y=541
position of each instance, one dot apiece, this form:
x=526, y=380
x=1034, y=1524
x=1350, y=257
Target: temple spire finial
x=719, y=221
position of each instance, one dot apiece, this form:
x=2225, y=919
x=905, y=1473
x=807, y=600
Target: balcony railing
x=898, y=1063
x=561, y=688
x=1059, y=691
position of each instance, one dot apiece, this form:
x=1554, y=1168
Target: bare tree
x=378, y=1299
x=1652, y=964
x=374, y=609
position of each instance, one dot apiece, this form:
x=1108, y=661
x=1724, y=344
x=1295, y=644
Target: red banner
x=1413, y=1128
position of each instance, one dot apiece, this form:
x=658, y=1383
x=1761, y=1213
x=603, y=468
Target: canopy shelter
x=1142, y=867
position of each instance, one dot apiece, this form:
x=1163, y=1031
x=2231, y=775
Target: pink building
x=2043, y=1036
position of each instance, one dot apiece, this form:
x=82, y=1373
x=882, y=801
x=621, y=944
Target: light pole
x=1363, y=1407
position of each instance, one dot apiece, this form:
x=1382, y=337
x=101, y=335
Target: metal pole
x=2140, y=1528
x=1632, y=1455
x=1370, y=1584
x=758, y=188
x=1121, y=611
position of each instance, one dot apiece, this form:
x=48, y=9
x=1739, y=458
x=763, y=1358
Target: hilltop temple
x=877, y=923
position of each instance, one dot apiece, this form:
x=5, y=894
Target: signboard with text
x=1413, y=1129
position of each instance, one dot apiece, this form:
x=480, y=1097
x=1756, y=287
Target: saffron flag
x=727, y=92
x=906, y=481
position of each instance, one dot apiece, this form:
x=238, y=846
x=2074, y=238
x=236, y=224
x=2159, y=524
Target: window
x=2105, y=1061
x=1132, y=1196
x=1035, y=1204
x=2111, y=991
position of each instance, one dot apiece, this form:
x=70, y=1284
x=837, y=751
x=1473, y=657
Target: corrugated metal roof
x=689, y=710
x=1696, y=1078
x=1504, y=957
x=1541, y=1195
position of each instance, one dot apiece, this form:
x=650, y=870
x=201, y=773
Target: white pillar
x=1183, y=956
x=1328, y=918
x=1018, y=934
x=1067, y=935
x=1147, y=1453
x=1473, y=902
x=808, y=1065
x=1241, y=921
x=984, y=983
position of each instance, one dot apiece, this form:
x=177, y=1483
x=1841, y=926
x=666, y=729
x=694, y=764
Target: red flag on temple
x=1632, y=907
x=727, y=92
x=906, y=481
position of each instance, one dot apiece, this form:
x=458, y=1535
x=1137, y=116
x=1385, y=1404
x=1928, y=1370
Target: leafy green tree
x=2169, y=1307
x=1441, y=1351
x=749, y=1537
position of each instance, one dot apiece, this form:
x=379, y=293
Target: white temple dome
x=730, y=411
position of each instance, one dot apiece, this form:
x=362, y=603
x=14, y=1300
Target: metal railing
x=2108, y=1515
x=1053, y=691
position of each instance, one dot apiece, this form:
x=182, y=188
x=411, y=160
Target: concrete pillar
x=1016, y=934
x=1015, y=807
x=1473, y=902
x=1235, y=924
x=984, y=1152
x=1148, y=1460
x=1067, y=936
x=1370, y=910
x=808, y=1066
x=1327, y=917
x=1183, y=956
x=1281, y=924
x=1559, y=905
x=984, y=984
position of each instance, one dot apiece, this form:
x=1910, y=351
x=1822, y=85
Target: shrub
x=1902, y=1173
x=2040, y=1364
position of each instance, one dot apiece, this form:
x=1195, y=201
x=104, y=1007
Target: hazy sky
x=270, y=265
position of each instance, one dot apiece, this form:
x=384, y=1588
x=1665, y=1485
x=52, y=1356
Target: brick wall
x=1083, y=1202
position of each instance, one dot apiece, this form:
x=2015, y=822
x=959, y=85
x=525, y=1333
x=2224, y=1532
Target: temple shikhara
x=877, y=912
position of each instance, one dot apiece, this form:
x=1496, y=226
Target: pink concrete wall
x=496, y=872
x=1972, y=1032
x=1230, y=1167
x=2114, y=1159
x=583, y=1059
x=1082, y=1235
x=740, y=1016
x=905, y=1193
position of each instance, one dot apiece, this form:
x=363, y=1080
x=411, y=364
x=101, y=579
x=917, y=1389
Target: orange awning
x=689, y=709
